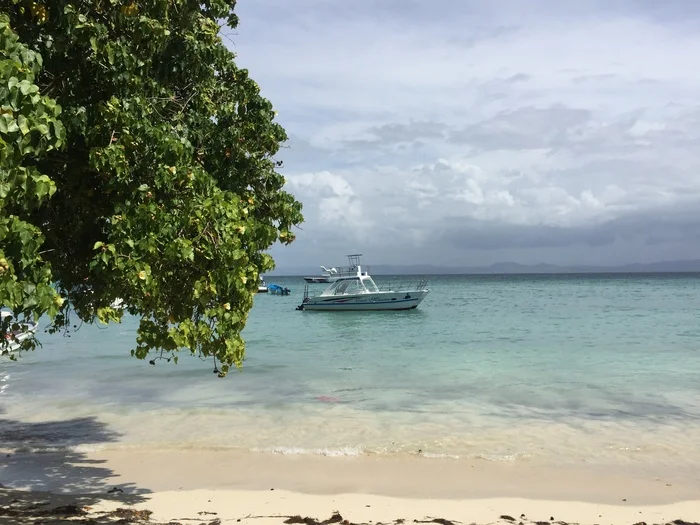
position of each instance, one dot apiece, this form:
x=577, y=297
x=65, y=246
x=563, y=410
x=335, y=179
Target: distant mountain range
x=508, y=268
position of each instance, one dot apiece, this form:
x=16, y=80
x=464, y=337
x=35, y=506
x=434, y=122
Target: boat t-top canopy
x=354, y=260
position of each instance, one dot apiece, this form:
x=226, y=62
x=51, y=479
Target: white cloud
x=337, y=205
x=410, y=121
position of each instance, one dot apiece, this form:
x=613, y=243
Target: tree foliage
x=138, y=162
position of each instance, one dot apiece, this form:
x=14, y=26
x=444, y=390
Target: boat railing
x=312, y=292
x=402, y=285
x=393, y=285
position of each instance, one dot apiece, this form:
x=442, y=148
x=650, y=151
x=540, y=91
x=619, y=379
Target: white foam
x=80, y=449
x=496, y=457
x=436, y=455
x=85, y=448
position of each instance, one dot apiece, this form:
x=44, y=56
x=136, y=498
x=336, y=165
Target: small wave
x=86, y=448
x=495, y=457
x=624, y=449
x=436, y=455
x=484, y=457
x=358, y=451
x=50, y=449
x=297, y=451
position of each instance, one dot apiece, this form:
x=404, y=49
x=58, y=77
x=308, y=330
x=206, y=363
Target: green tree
x=159, y=183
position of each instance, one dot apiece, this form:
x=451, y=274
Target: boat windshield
x=347, y=287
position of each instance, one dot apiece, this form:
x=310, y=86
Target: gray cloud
x=518, y=77
x=299, y=154
x=409, y=132
x=395, y=134
x=648, y=229
x=524, y=128
x=594, y=78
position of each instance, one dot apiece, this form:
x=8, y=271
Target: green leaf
x=27, y=87
x=22, y=124
x=58, y=130
x=44, y=186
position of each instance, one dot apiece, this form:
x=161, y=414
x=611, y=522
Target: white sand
x=358, y=508
x=272, y=507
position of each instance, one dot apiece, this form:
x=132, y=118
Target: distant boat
x=356, y=290
x=329, y=275
x=15, y=337
x=276, y=289
x=262, y=286
x=118, y=304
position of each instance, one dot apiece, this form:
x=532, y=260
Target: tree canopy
x=137, y=163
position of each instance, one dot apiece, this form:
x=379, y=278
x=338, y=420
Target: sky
x=466, y=133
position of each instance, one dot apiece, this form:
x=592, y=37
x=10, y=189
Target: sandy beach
x=222, y=486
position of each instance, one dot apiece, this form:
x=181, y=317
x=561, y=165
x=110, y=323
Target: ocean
x=595, y=370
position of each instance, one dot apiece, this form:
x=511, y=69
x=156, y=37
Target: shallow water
x=597, y=369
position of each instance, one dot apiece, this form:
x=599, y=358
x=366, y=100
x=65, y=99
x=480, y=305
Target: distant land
x=506, y=268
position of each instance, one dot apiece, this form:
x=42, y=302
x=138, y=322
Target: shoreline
x=135, y=471
x=217, y=487
x=401, y=477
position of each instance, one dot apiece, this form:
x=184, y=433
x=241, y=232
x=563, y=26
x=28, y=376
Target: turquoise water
x=597, y=369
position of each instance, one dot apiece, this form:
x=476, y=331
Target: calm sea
x=550, y=369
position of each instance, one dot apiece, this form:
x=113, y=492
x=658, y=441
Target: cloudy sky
x=468, y=132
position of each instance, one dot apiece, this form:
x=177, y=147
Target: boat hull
x=276, y=289
x=367, y=302
x=318, y=280
x=19, y=336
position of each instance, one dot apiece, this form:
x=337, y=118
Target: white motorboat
x=329, y=275
x=356, y=290
x=14, y=338
x=262, y=286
